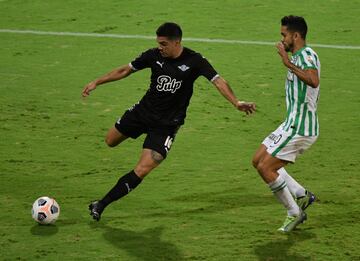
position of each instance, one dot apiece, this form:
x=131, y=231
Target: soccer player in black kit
x=162, y=110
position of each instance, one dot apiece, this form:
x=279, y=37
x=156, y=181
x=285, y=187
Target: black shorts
x=159, y=138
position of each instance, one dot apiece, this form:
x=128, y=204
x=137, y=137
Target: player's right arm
x=224, y=88
x=115, y=75
x=309, y=76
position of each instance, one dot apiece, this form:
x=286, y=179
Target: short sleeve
x=309, y=60
x=142, y=61
x=206, y=69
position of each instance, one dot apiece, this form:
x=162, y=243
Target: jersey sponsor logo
x=184, y=68
x=166, y=84
x=160, y=64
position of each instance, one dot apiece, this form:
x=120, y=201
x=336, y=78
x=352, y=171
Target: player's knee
x=110, y=142
x=255, y=162
x=261, y=166
x=142, y=170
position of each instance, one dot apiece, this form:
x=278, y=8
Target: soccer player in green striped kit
x=300, y=128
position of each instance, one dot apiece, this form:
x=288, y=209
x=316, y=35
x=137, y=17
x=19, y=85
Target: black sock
x=125, y=184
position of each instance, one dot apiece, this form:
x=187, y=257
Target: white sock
x=295, y=188
x=282, y=193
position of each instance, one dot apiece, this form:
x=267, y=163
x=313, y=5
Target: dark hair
x=295, y=24
x=170, y=30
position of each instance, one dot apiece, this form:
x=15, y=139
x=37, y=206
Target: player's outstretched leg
x=125, y=184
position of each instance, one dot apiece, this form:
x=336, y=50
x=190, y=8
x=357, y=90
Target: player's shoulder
x=150, y=54
x=310, y=58
x=308, y=51
x=191, y=53
x=152, y=51
x=194, y=56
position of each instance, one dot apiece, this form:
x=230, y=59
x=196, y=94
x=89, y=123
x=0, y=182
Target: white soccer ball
x=45, y=210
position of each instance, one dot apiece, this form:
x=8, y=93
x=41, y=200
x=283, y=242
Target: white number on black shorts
x=168, y=142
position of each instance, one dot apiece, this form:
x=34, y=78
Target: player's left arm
x=309, y=76
x=224, y=88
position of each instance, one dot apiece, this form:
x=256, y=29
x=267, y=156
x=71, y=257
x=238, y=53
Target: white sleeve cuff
x=214, y=78
x=132, y=67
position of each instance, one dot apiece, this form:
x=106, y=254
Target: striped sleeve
x=309, y=59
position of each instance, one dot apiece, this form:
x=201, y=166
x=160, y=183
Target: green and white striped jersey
x=301, y=99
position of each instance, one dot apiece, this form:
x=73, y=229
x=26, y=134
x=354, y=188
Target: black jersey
x=171, y=85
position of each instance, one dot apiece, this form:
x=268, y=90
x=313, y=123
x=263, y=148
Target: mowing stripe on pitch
x=136, y=36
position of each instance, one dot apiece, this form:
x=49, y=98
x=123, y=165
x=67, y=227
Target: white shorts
x=287, y=146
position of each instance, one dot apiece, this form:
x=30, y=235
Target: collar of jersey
x=300, y=50
x=177, y=58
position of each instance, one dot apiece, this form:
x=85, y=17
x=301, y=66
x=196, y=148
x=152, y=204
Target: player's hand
x=88, y=88
x=283, y=54
x=247, y=107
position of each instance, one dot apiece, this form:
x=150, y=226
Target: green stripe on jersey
x=288, y=104
x=290, y=96
x=303, y=119
x=302, y=59
x=310, y=123
x=299, y=101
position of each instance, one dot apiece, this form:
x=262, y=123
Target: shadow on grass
x=279, y=249
x=145, y=245
x=44, y=230
x=214, y=202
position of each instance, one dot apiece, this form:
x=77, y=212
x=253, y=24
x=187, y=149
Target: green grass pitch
x=205, y=202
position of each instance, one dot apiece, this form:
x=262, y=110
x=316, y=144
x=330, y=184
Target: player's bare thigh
x=114, y=137
x=259, y=154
